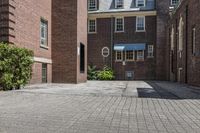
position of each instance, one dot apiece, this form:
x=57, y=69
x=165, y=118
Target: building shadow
x=155, y=91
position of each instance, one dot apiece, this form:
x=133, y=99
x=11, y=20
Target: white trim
x=144, y=24
x=108, y=50
x=116, y=24
x=89, y=6
x=117, y=60
x=116, y=4
x=129, y=60
x=42, y=60
x=93, y=15
x=95, y=26
x=141, y=6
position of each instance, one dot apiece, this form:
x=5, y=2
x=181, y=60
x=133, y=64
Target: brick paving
x=153, y=110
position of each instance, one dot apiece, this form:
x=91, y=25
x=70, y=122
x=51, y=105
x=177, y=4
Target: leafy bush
x=15, y=66
x=106, y=74
x=92, y=73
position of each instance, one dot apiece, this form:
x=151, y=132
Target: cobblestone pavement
x=121, y=107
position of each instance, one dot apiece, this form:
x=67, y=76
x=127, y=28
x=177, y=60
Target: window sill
x=92, y=32
x=44, y=47
x=140, y=31
x=118, y=60
x=119, y=31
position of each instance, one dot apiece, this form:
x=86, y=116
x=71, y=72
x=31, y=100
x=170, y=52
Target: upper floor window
x=43, y=33
x=193, y=41
x=119, y=3
x=92, y=25
x=172, y=38
x=140, y=23
x=140, y=3
x=180, y=35
x=119, y=24
x=174, y=2
x=92, y=4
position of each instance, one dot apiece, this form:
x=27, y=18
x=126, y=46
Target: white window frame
x=194, y=41
x=180, y=35
x=89, y=26
x=44, y=25
x=117, y=24
x=116, y=53
x=118, y=3
x=144, y=2
x=140, y=58
x=172, y=38
x=90, y=8
x=137, y=24
x=150, y=51
x=133, y=59
x=174, y=3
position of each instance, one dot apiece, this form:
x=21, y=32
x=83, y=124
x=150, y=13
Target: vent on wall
x=129, y=75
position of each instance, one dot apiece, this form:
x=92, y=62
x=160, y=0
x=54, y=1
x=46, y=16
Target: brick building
x=129, y=36
x=37, y=25
x=184, y=43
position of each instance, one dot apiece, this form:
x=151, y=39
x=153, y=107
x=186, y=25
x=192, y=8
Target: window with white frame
x=140, y=3
x=140, y=55
x=140, y=23
x=92, y=25
x=119, y=3
x=150, y=51
x=92, y=4
x=119, y=24
x=119, y=55
x=43, y=33
x=193, y=41
x=172, y=38
x=180, y=40
x=174, y=2
x=130, y=55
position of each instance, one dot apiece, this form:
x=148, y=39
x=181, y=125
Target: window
x=180, y=40
x=140, y=3
x=140, y=55
x=92, y=5
x=174, y=2
x=43, y=33
x=172, y=38
x=82, y=58
x=130, y=56
x=119, y=55
x=140, y=24
x=92, y=26
x=105, y=52
x=119, y=3
x=150, y=51
x=193, y=41
x=119, y=24
x=44, y=73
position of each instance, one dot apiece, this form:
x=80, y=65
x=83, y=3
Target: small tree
x=15, y=66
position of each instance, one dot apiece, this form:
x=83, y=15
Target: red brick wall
x=191, y=69
x=24, y=30
x=67, y=34
x=142, y=70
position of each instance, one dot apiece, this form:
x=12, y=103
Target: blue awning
x=128, y=47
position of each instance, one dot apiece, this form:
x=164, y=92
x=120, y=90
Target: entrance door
x=44, y=73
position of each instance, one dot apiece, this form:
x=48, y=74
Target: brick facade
x=185, y=69
x=104, y=38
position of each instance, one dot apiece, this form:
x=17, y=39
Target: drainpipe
x=111, y=42
x=186, y=50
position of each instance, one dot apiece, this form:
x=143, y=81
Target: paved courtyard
x=102, y=107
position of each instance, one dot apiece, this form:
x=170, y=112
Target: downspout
x=111, y=43
x=186, y=50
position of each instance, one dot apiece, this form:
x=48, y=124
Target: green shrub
x=92, y=73
x=15, y=66
x=106, y=74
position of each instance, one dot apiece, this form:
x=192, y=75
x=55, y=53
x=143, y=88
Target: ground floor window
x=119, y=55
x=44, y=73
x=130, y=55
x=140, y=55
